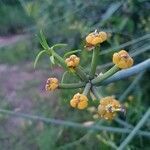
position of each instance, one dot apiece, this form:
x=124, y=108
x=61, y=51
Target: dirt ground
x=22, y=89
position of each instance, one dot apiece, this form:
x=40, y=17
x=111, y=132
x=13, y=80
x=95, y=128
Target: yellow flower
x=51, y=84
x=79, y=101
x=95, y=38
x=72, y=61
x=122, y=59
x=108, y=107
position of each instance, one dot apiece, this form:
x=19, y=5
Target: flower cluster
x=79, y=101
x=51, y=84
x=95, y=38
x=72, y=62
x=122, y=59
x=108, y=106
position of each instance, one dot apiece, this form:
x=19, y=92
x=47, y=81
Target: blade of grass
x=125, y=44
x=135, y=130
x=131, y=86
x=139, y=51
x=127, y=125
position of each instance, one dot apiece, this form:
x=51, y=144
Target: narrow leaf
x=63, y=77
x=43, y=40
x=60, y=45
x=37, y=57
x=52, y=59
x=72, y=52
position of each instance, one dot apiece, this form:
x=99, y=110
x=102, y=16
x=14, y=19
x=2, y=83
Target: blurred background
x=22, y=86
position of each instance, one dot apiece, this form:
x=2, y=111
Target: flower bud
x=51, y=84
x=79, y=101
x=72, y=61
x=122, y=59
x=96, y=37
x=108, y=107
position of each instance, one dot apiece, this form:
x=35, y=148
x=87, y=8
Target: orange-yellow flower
x=96, y=37
x=122, y=59
x=51, y=84
x=108, y=107
x=79, y=101
x=72, y=61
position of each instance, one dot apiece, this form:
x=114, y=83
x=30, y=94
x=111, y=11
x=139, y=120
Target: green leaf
x=38, y=56
x=60, y=45
x=71, y=52
x=63, y=77
x=52, y=59
x=43, y=41
x=70, y=74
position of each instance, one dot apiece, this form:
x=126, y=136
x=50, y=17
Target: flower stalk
x=108, y=106
x=71, y=85
x=106, y=75
x=87, y=89
x=59, y=58
x=94, y=62
x=96, y=93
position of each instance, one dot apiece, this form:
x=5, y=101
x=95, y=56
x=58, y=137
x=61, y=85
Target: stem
x=81, y=73
x=106, y=75
x=96, y=93
x=63, y=76
x=135, y=130
x=145, y=65
x=59, y=59
x=87, y=89
x=127, y=125
x=71, y=85
x=125, y=44
x=94, y=62
x=131, y=87
x=67, y=123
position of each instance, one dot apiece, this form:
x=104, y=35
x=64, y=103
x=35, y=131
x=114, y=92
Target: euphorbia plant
x=108, y=106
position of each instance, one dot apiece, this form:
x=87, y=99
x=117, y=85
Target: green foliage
x=48, y=138
x=68, y=22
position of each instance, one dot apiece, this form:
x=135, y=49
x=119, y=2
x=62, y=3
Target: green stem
x=106, y=75
x=69, y=123
x=81, y=73
x=87, y=89
x=135, y=130
x=63, y=76
x=94, y=62
x=96, y=93
x=131, y=87
x=71, y=85
x=59, y=59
